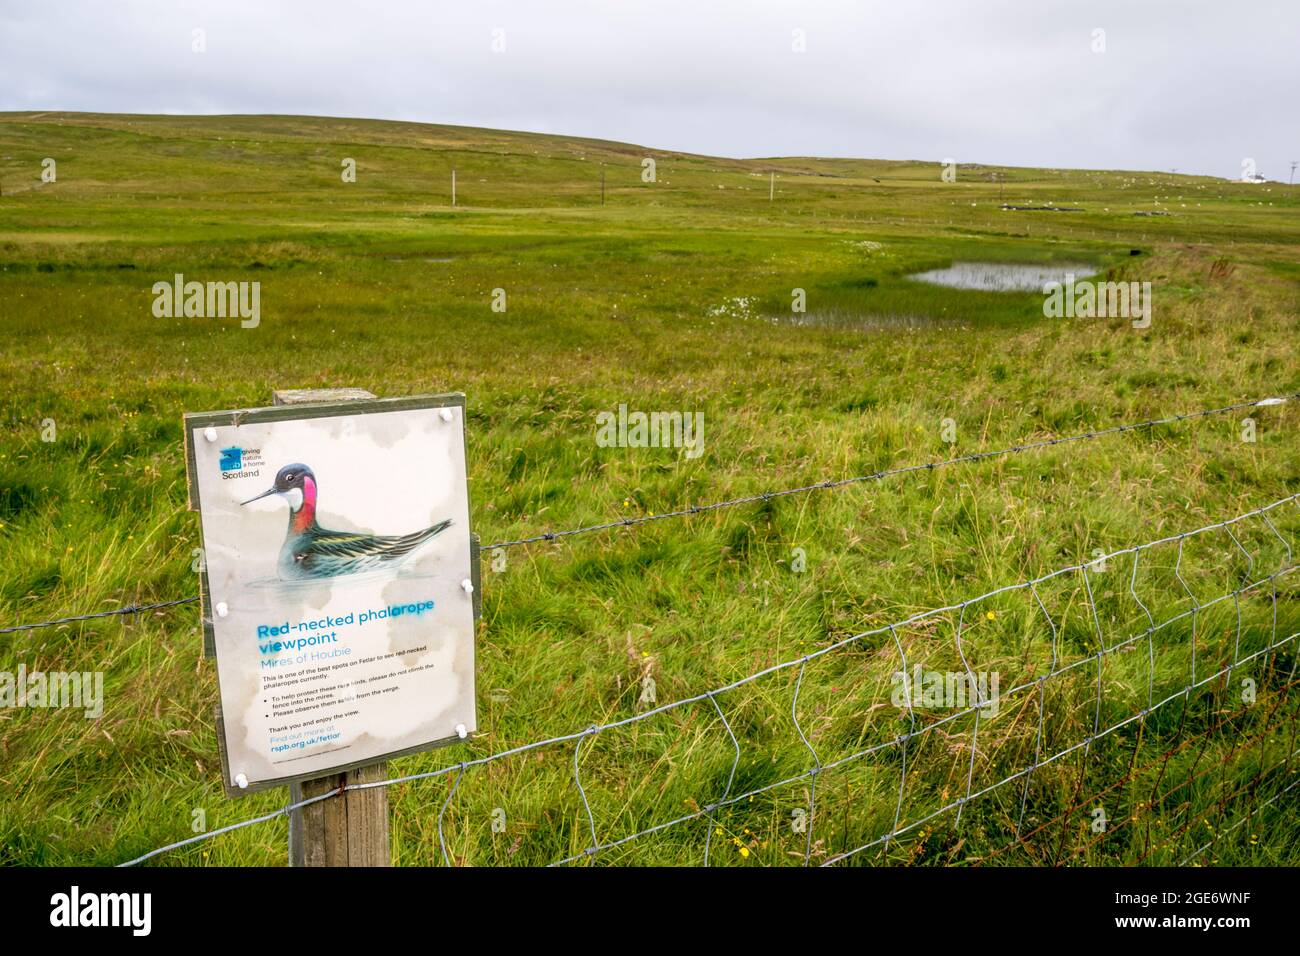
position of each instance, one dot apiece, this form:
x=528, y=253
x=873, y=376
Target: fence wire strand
x=901, y=740
x=1022, y=840
x=765, y=496
x=754, y=498
x=115, y=612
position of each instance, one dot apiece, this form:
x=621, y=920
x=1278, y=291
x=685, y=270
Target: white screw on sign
x=210, y=433
x=445, y=414
x=222, y=609
x=467, y=586
x=241, y=781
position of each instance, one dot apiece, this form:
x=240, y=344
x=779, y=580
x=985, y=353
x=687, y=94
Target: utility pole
x=602, y=187
x=453, y=185
x=771, y=187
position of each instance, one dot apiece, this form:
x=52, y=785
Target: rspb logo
x=240, y=462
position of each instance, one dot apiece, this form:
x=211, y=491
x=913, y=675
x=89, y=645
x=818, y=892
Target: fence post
x=351, y=830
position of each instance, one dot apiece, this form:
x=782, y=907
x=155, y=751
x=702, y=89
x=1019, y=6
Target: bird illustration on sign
x=310, y=551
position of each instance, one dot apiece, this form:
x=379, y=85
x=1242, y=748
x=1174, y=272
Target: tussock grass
x=624, y=304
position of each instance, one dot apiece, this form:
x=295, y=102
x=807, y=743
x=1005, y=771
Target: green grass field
x=672, y=295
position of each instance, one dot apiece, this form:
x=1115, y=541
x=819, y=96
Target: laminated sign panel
x=339, y=582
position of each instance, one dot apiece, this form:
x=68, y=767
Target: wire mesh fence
x=1009, y=724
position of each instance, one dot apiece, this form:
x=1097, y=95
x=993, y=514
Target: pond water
x=1002, y=276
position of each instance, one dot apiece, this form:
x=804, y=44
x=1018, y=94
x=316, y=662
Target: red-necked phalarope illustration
x=310, y=551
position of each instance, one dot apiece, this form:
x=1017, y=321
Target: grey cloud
x=1194, y=85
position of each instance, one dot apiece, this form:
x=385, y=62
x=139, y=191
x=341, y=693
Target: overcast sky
x=1196, y=86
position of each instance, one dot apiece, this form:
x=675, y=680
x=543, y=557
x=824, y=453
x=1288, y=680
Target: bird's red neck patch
x=305, y=516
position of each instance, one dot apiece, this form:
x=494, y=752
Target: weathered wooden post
x=351, y=830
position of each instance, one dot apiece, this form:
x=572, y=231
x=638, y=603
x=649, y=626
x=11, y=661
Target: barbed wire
x=881, y=475
x=1023, y=840
x=901, y=740
x=1098, y=734
x=129, y=609
x=1267, y=803
x=1218, y=806
x=1087, y=742
x=755, y=498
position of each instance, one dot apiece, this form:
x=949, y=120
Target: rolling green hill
x=671, y=295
